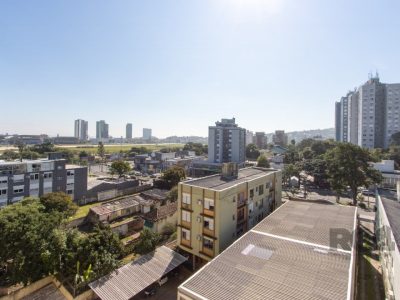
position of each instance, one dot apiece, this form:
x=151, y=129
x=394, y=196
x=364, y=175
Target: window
x=70, y=173
x=3, y=180
x=3, y=192
x=186, y=198
x=47, y=175
x=18, y=178
x=70, y=192
x=208, y=223
x=208, y=243
x=209, y=204
x=185, y=234
x=186, y=216
x=34, y=176
x=18, y=189
x=251, y=193
x=261, y=190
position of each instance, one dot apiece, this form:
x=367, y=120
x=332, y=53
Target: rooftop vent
x=256, y=251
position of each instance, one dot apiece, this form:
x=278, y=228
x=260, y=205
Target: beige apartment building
x=214, y=211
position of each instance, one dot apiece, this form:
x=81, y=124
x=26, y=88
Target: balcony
x=186, y=206
x=207, y=251
x=208, y=232
x=185, y=243
x=208, y=212
x=186, y=224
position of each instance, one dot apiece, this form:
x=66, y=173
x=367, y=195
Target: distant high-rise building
x=81, y=130
x=226, y=142
x=261, y=140
x=338, y=120
x=280, y=138
x=129, y=131
x=147, y=133
x=249, y=137
x=101, y=130
x=370, y=115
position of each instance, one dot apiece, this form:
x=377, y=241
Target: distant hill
x=324, y=134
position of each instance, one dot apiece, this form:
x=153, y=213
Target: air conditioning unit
x=198, y=237
x=199, y=219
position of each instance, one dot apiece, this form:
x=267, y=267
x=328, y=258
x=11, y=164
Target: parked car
x=150, y=292
x=368, y=193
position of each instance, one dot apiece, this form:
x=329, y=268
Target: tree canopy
x=347, y=165
x=173, y=176
x=252, y=151
x=198, y=148
x=262, y=161
x=59, y=202
x=147, y=242
x=120, y=167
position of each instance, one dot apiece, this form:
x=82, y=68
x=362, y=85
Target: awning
x=131, y=279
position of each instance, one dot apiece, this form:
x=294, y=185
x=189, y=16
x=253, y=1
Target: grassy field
x=109, y=148
x=83, y=211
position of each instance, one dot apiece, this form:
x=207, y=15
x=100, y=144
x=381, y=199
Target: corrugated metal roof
x=288, y=255
x=134, y=277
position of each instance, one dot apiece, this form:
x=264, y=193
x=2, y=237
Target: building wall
x=392, y=111
x=338, y=121
x=353, y=118
x=389, y=253
x=225, y=215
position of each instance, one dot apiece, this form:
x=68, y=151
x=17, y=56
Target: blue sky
x=178, y=66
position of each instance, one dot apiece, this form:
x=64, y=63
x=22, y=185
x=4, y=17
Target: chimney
x=229, y=171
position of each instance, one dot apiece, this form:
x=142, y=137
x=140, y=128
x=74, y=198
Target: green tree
x=101, y=151
x=9, y=155
x=173, y=194
x=347, y=165
x=262, y=161
x=307, y=153
x=21, y=148
x=290, y=170
x=291, y=156
x=43, y=148
x=28, y=154
x=59, y=202
x=252, y=151
x=395, y=139
x=198, y=148
x=173, y=175
x=120, y=167
x=147, y=242
x=24, y=234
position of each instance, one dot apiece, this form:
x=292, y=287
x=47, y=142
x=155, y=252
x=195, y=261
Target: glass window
x=185, y=234
x=185, y=216
x=209, y=223
x=186, y=198
x=208, y=243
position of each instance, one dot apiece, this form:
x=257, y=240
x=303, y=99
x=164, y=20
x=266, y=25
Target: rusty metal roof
x=131, y=279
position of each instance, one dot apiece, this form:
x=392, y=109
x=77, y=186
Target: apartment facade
x=226, y=142
x=280, y=138
x=214, y=211
x=101, y=130
x=81, y=130
x=370, y=115
x=128, y=134
x=249, y=137
x=261, y=140
x=147, y=133
x=39, y=177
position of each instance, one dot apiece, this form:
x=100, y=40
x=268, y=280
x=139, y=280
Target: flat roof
x=115, y=205
x=131, y=279
x=216, y=182
x=392, y=209
x=287, y=256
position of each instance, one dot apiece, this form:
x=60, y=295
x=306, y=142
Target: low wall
x=37, y=285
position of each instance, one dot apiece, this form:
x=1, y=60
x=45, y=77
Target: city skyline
x=151, y=63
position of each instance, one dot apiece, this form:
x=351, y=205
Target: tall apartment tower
x=129, y=131
x=101, y=130
x=392, y=111
x=280, y=138
x=352, y=120
x=81, y=130
x=370, y=115
x=338, y=120
x=147, y=133
x=261, y=140
x=371, y=110
x=226, y=142
x=249, y=137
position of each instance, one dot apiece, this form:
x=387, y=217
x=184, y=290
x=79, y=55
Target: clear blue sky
x=178, y=66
